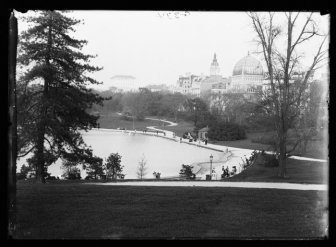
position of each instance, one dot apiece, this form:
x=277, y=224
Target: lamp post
x=211, y=157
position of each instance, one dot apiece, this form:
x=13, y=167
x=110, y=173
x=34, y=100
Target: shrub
x=222, y=131
x=20, y=176
x=127, y=118
x=269, y=160
x=186, y=172
x=157, y=175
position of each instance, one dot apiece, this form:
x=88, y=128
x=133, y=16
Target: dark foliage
x=113, y=166
x=223, y=131
x=186, y=172
x=52, y=95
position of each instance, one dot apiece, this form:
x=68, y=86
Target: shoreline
x=214, y=147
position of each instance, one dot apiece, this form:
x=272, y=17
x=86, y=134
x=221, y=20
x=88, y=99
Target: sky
x=156, y=47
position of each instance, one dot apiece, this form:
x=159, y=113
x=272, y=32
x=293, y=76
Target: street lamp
x=211, y=157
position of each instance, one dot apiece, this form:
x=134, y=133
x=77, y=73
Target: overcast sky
x=157, y=47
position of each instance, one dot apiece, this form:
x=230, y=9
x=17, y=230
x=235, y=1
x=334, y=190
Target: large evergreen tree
x=53, y=97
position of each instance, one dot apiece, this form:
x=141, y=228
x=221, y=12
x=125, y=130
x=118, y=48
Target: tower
x=214, y=68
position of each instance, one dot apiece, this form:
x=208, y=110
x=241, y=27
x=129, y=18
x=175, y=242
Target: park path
x=167, y=132
x=220, y=147
x=256, y=185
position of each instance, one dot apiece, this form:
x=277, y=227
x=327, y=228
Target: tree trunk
x=42, y=125
x=40, y=157
x=282, y=158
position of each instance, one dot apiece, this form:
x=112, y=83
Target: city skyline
x=156, y=47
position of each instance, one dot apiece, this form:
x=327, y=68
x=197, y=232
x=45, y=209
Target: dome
x=248, y=66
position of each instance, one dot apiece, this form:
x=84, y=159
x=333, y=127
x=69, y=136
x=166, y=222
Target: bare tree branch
x=22, y=155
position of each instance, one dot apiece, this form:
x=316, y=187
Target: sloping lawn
x=299, y=171
x=181, y=128
x=114, y=121
x=83, y=211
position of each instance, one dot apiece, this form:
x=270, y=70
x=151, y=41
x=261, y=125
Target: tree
x=186, y=172
x=53, y=91
x=113, y=166
x=142, y=168
x=94, y=167
x=71, y=171
x=196, y=109
x=171, y=104
x=136, y=104
x=25, y=169
x=285, y=97
x=224, y=131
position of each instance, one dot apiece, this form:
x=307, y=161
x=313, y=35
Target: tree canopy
x=288, y=82
x=53, y=97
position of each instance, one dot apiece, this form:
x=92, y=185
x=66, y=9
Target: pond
x=162, y=155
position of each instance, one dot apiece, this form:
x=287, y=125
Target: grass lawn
x=246, y=143
x=82, y=211
x=299, y=171
x=181, y=128
x=315, y=149
x=113, y=121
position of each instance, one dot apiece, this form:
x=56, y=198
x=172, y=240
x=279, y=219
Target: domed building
x=247, y=75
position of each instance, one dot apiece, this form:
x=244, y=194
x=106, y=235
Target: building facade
x=247, y=75
x=214, y=78
x=124, y=82
x=189, y=84
x=214, y=67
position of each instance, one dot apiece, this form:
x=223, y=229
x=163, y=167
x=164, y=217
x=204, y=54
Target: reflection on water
x=162, y=155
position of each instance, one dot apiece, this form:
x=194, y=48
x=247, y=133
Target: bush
x=74, y=176
x=270, y=160
x=125, y=117
x=186, y=172
x=222, y=131
x=20, y=176
x=157, y=175
x=88, y=177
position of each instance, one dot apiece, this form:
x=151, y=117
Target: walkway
x=167, y=132
x=259, y=185
x=220, y=147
